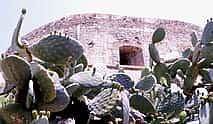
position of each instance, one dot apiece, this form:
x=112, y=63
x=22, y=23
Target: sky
x=40, y=12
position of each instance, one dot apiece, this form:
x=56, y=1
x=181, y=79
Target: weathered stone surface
x=102, y=34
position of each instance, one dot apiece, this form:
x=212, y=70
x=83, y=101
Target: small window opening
x=130, y=55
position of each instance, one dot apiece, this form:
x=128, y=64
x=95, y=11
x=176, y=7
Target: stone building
x=109, y=40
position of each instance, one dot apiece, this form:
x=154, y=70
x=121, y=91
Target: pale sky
x=40, y=12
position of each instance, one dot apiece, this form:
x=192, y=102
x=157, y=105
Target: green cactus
x=57, y=49
x=206, y=63
x=158, y=35
x=105, y=101
x=30, y=98
x=154, y=53
x=15, y=114
x=172, y=103
x=142, y=104
x=146, y=83
x=194, y=39
x=16, y=70
x=207, y=35
x=59, y=103
x=83, y=60
x=182, y=64
x=187, y=53
x=16, y=46
x=17, y=73
x=191, y=76
x=205, y=76
x=44, y=82
x=79, y=68
x=160, y=70
x=206, y=51
x=85, y=81
x=145, y=72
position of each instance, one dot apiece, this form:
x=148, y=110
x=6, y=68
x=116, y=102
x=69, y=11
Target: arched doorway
x=131, y=55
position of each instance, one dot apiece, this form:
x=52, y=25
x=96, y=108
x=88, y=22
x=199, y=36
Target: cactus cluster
x=50, y=76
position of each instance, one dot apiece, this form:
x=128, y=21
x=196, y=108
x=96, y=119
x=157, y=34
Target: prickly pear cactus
x=172, y=103
x=83, y=82
x=83, y=60
x=194, y=39
x=87, y=79
x=187, y=53
x=16, y=70
x=16, y=46
x=207, y=51
x=207, y=35
x=182, y=64
x=154, y=53
x=15, y=114
x=146, y=71
x=104, y=101
x=158, y=35
x=160, y=70
x=57, y=49
x=44, y=83
x=122, y=78
x=141, y=103
x=206, y=78
x=146, y=83
x=59, y=103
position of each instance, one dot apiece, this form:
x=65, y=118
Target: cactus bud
x=48, y=114
x=182, y=117
x=34, y=114
x=23, y=11
x=42, y=113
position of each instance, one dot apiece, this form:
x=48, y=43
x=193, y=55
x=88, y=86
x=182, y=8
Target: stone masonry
x=103, y=34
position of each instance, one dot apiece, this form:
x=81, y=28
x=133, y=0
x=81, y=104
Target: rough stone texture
x=102, y=34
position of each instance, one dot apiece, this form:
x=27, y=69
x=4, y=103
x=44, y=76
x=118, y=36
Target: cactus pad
x=57, y=49
x=59, y=103
x=194, y=39
x=104, y=101
x=142, y=104
x=206, y=51
x=187, y=53
x=83, y=82
x=158, y=35
x=206, y=63
x=146, y=83
x=191, y=76
x=160, y=70
x=83, y=60
x=145, y=72
x=154, y=53
x=87, y=79
x=16, y=70
x=207, y=35
x=182, y=64
x=206, y=78
x=44, y=83
x=196, y=53
x=172, y=103
x=122, y=78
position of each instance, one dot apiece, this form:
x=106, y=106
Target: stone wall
x=103, y=34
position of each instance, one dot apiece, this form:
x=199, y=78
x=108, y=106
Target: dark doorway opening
x=131, y=55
